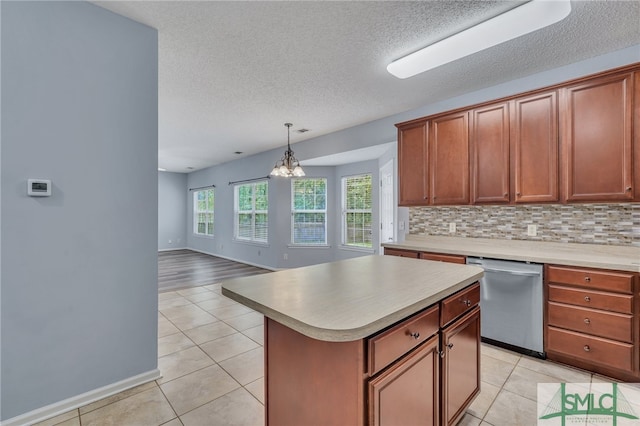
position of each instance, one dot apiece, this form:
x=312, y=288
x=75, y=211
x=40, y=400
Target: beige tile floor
x=211, y=358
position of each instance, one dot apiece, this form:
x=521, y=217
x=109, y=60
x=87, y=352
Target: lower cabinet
x=460, y=366
x=438, y=257
x=408, y=393
x=423, y=370
x=436, y=382
x=590, y=320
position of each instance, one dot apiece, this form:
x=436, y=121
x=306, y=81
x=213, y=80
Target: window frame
x=209, y=210
x=312, y=211
x=345, y=211
x=253, y=212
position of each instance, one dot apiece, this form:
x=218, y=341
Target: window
x=203, y=212
x=356, y=211
x=309, y=211
x=251, y=212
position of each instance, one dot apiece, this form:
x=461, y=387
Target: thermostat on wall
x=39, y=187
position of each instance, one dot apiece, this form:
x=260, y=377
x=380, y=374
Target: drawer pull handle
x=466, y=302
x=587, y=321
x=587, y=348
x=587, y=279
x=415, y=335
x=587, y=299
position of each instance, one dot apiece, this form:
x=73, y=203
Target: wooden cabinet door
x=401, y=253
x=449, y=165
x=534, y=136
x=438, y=257
x=490, y=154
x=408, y=393
x=636, y=136
x=412, y=165
x=460, y=366
x=596, y=129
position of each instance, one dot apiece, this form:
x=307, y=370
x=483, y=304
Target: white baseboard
x=175, y=248
x=257, y=265
x=81, y=400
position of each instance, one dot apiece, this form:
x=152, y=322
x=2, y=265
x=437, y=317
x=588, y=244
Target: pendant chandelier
x=288, y=166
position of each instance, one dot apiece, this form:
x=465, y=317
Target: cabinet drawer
x=450, y=258
x=591, y=321
x=593, y=349
x=457, y=304
x=592, y=298
x=390, y=345
x=401, y=253
x=591, y=278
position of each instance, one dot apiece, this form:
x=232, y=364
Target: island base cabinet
x=460, y=366
x=422, y=370
x=309, y=381
x=408, y=392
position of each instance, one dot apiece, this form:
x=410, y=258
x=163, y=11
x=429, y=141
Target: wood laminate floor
x=185, y=268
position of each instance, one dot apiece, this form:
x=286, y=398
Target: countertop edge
x=507, y=254
x=359, y=333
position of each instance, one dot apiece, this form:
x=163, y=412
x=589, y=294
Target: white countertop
x=621, y=258
x=350, y=299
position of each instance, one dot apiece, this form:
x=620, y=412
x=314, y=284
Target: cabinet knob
x=415, y=335
x=466, y=302
x=628, y=188
x=587, y=299
x=506, y=194
x=587, y=321
x=587, y=279
x=450, y=345
x=587, y=348
x=518, y=194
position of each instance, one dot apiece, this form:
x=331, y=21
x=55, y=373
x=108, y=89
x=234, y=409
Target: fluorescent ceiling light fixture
x=514, y=23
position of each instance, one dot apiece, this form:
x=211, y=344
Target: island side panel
x=309, y=381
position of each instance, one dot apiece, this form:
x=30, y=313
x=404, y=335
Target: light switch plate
x=532, y=230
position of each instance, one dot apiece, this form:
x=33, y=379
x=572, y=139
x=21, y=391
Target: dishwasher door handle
x=508, y=271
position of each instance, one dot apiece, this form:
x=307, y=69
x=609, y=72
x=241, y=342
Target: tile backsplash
x=614, y=224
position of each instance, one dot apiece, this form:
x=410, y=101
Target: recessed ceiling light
x=238, y=152
x=514, y=23
x=160, y=169
x=189, y=168
x=303, y=130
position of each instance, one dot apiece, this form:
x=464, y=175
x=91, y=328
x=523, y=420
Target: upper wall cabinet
x=489, y=140
x=534, y=145
x=412, y=163
x=596, y=123
x=449, y=165
x=574, y=142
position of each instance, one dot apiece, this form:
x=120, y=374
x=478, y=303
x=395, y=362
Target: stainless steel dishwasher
x=511, y=303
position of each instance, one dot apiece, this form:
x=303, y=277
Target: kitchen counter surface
x=350, y=299
x=621, y=258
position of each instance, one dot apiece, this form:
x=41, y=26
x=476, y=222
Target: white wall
x=79, y=268
x=173, y=197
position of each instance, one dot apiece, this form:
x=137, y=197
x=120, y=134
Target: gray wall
x=173, y=198
x=272, y=255
x=79, y=269
x=369, y=134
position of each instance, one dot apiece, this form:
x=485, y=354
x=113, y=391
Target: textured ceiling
x=231, y=73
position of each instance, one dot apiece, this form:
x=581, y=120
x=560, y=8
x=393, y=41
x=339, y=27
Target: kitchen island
x=370, y=340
